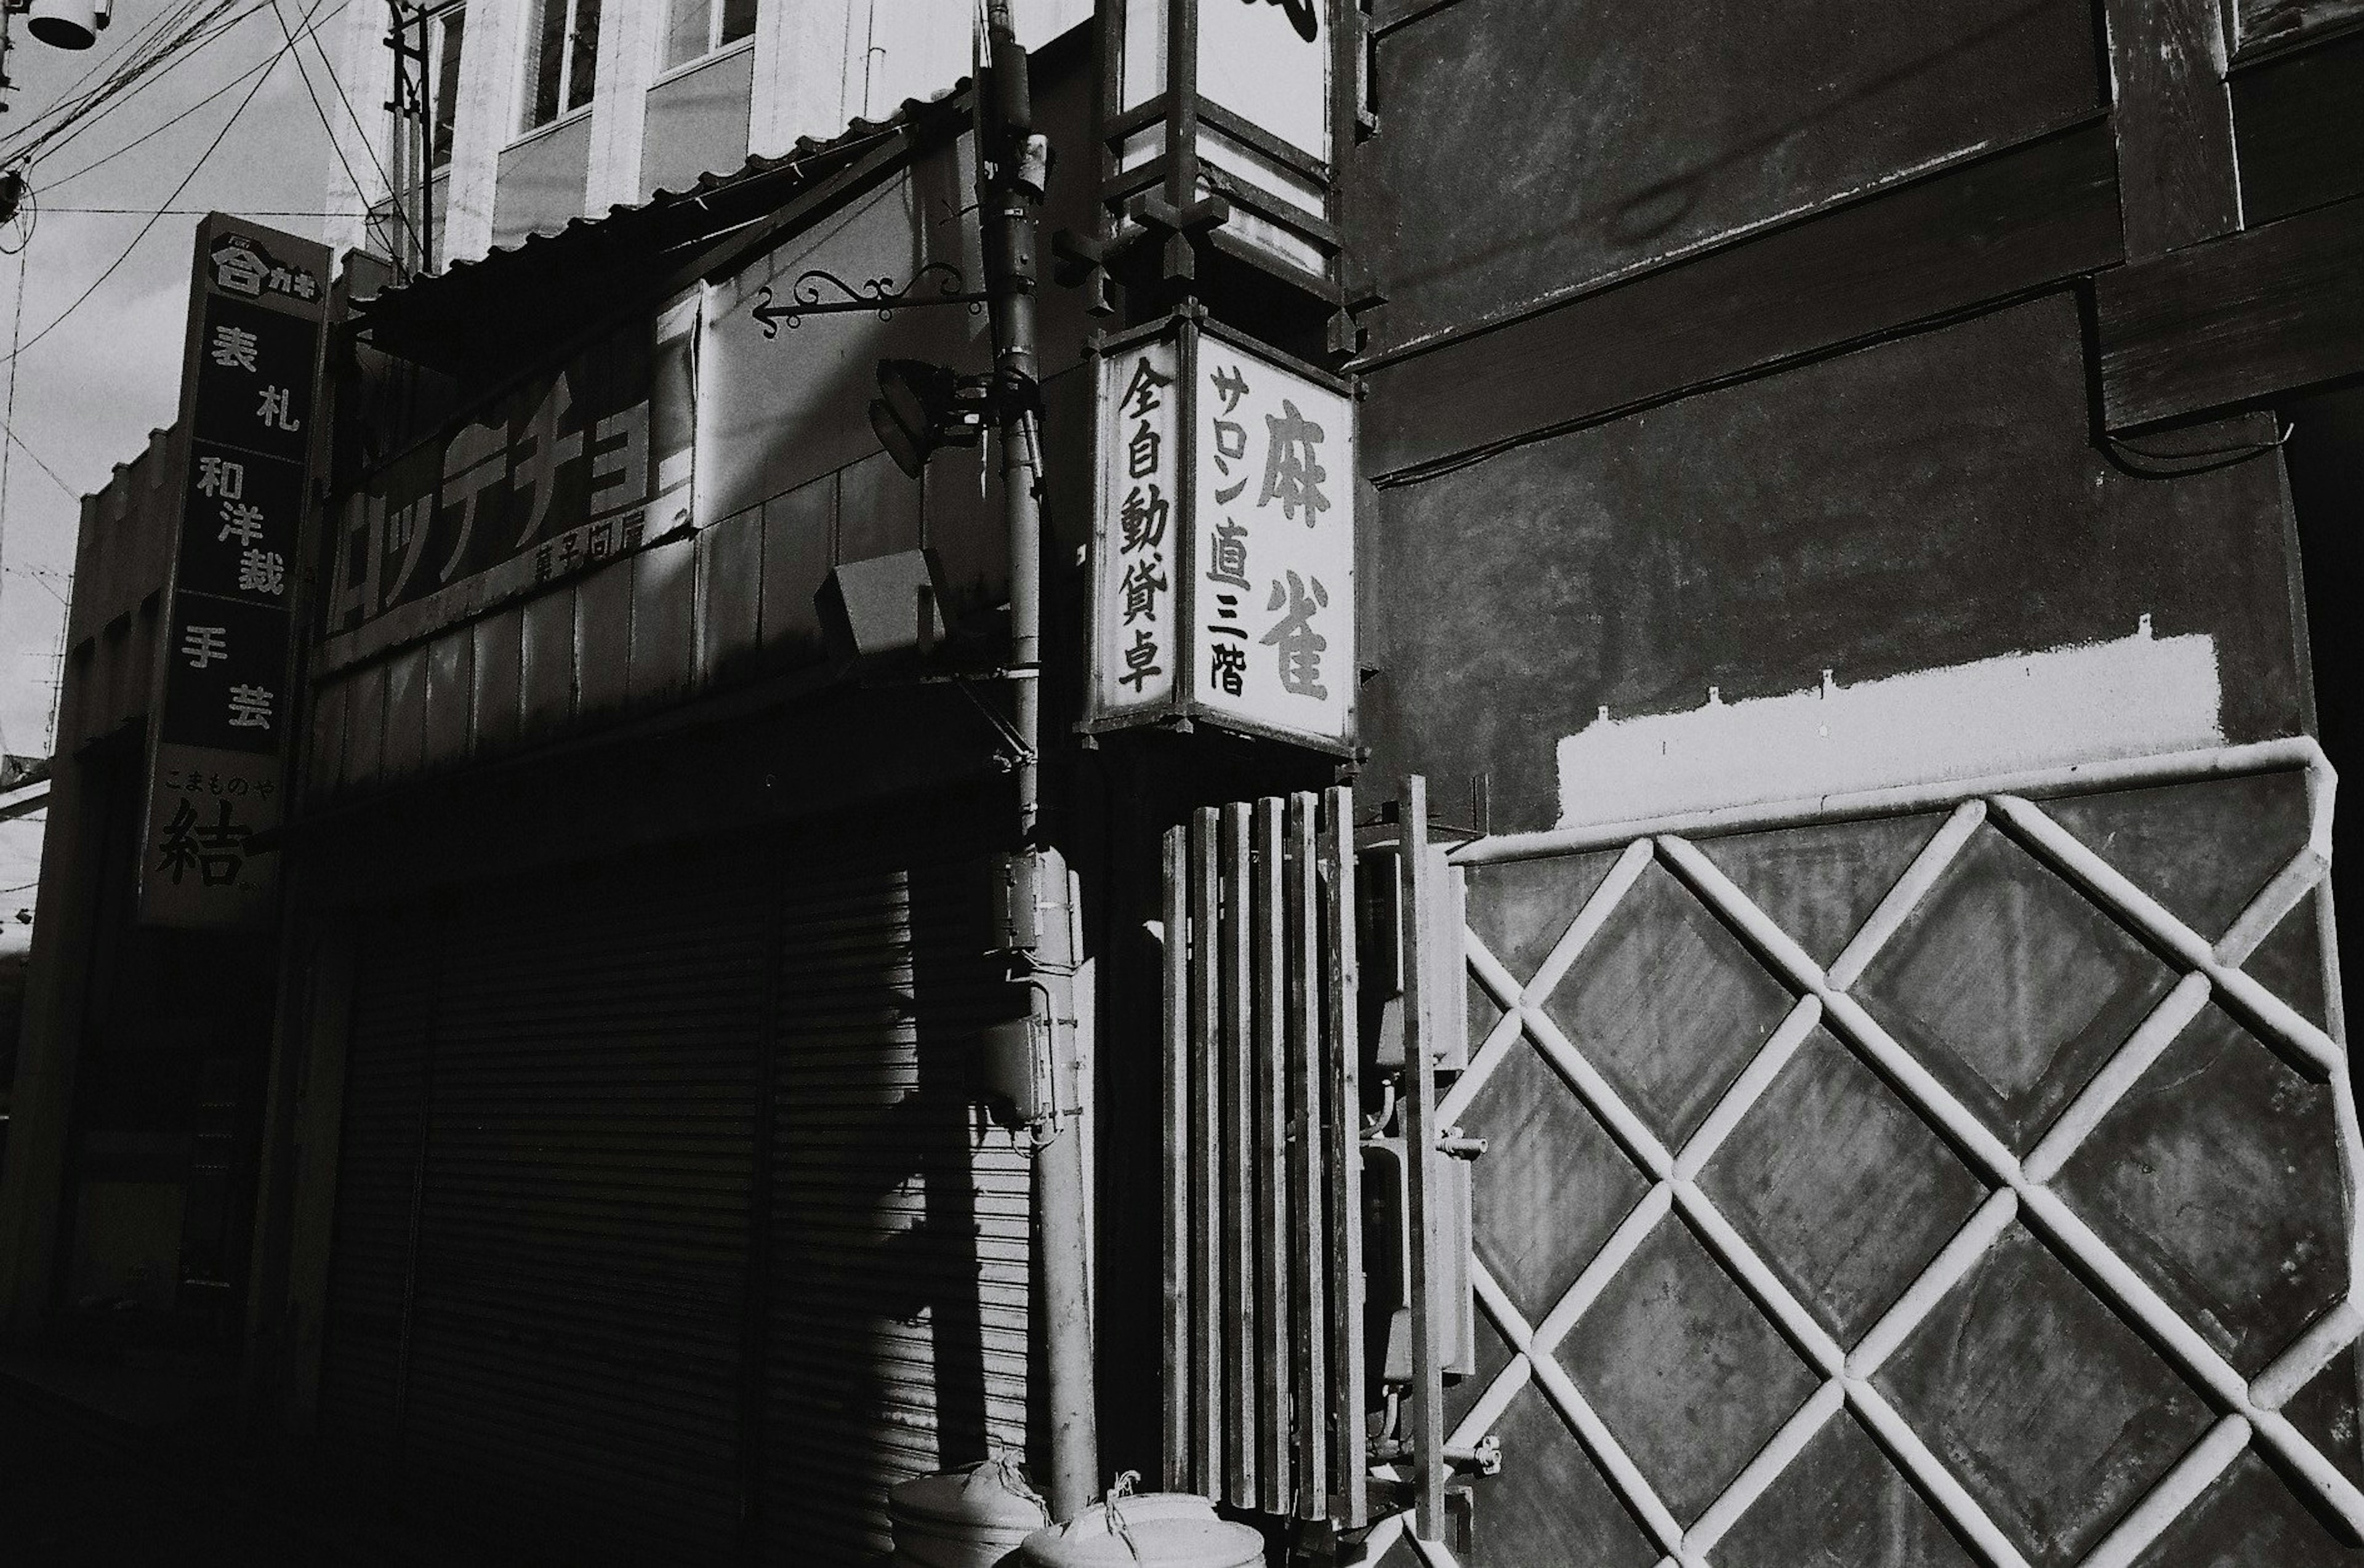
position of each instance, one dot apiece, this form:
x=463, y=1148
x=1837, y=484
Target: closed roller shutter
x=565, y=1286
x=581, y=1287
x=899, y=1244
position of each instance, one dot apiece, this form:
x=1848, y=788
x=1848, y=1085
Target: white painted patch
x=2134, y=697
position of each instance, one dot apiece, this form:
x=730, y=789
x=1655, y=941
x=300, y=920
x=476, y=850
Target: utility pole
x=1013, y=164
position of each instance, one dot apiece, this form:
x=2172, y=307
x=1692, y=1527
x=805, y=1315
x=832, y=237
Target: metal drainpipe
x=1011, y=199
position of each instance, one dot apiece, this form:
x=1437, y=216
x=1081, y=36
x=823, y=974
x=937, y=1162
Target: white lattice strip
x=1737, y=908
x=1500, y=1040
x=2307, y=1355
x=2201, y=1360
x=1909, y=889
x=1934, y=1480
x=1431, y=1553
x=1599, y=1097
x=1589, y=921
x=2177, y=1490
x=1779, y=1452
x=1954, y=1261
x=1500, y=982
x=1749, y=1087
x=1760, y=1279
x=2142, y=1047
x=2110, y=888
x=1631, y=1232
x=2274, y=901
x=1609, y=1455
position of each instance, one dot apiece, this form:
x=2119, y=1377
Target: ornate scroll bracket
x=938, y=283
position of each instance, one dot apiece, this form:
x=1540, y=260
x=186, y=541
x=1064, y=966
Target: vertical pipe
x=1208, y=1409
x=1275, y=1362
x=1420, y=1160
x=1012, y=163
x=1342, y=1024
x=1180, y=1332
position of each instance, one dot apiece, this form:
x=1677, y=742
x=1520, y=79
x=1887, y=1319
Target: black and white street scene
x=1180, y=783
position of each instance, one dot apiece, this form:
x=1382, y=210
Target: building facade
x=1845, y=1045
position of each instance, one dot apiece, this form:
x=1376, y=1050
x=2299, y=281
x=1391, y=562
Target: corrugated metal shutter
x=899, y=1243
x=385, y=1081
x=581, y=1286
x=619, y=1327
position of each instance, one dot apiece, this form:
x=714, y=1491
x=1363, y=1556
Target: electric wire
x=75, y=116
x=146, y=229
x=75, y=94
x=336, y=141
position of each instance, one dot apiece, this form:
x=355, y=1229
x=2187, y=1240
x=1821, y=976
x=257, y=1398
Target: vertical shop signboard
x=1223, y=571
x=217, y=729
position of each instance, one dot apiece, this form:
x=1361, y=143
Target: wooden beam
x=2237, y=320
x=2301, y=141
x=1990, y=230
x=2174, y=124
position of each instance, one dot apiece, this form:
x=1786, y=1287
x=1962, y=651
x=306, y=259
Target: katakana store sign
x=573, y=466
x=223, y=703
x=1223, y=549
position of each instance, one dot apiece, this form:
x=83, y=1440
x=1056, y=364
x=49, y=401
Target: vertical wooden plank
x=1307, y=1298
x=1180, y=1370
x=1239, y=1192
x=1274, y=1362
x=1206, y=1360
x=663, y=656
x=405, y=711
x=500, y=678
x=1341, y=981
x=730, y=596
x=2173, y=119
x=1420, y=1160
x=602, y=639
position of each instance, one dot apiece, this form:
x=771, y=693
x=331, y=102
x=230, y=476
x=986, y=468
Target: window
x=563, y=65
x=444, y=105
x=701, y=27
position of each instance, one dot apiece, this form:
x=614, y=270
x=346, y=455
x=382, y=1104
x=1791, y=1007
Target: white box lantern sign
x=1223, y=545
x=1236, y=99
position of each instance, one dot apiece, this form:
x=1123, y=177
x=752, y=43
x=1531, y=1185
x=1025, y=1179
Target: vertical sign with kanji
x=1138, y=541
x=218, y=726
x=1224, y=577
x=1273, y=560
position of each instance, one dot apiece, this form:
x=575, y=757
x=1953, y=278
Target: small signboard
x=222, y=704
x=1223, y=549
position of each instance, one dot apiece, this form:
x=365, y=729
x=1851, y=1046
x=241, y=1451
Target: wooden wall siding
x=1910, y=505
x=2266, y=311
x=2265, y=22
x=2302, y=141
x=732, y=603
x=1995, y=228
x=1614, y=137
x=1813, y=1301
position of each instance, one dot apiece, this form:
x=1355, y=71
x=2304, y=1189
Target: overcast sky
x=89, y=392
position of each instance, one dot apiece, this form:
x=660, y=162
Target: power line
x=188, y=212
x=336, y=143
x=71, y=493
x=147, y=227
x=265, y=64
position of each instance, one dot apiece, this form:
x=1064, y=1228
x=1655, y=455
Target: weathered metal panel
x=603, y=640
x=878, y=509
x=364, y=727
x=548, y=703
x=500, y=669
x=664, y=612
x=1613, y=137
x=799, y=546
x=450, y=696
x=1919, y=506
x=730, y=596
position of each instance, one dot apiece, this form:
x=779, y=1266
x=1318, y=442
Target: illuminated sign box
x=1224, y=543
x=1230, y=99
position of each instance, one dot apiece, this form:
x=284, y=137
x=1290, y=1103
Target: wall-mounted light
x=921, y=406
